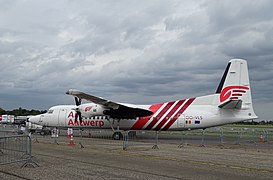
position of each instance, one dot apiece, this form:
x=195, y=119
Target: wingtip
x=71, y=91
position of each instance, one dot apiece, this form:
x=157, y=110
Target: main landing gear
x=117, y=135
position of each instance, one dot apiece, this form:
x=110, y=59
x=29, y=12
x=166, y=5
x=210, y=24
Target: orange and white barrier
x=71, y=143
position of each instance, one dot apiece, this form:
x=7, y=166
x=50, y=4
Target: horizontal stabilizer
x=231, y=104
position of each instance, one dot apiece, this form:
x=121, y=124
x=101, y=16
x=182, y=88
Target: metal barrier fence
x=15, y=149
x=97, y=139
x=81, y=138
x=219, y=136
x=249, y=137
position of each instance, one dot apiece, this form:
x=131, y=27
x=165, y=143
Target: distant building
x=7, y=119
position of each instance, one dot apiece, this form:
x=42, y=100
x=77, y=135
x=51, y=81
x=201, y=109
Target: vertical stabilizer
x=234, y=87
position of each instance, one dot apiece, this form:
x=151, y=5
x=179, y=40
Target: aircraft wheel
x=117, y=136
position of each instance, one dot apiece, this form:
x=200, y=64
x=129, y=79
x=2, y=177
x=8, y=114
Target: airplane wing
x=115, y=110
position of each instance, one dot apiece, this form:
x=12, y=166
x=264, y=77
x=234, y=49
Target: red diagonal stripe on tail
x=236, y=95
x=239, y=91
x=169, y=115
x=154, y=121
x=142, y=121
x=186, y=105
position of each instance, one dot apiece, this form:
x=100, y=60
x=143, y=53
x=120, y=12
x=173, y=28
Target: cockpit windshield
x=50, y=111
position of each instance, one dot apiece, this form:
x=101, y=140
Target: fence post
x=253, y=136
x=181, y=141
x=239, y=132
x=81, y=139
x=203, y=138
x=29, y=161
x=221, y=137
x=156, y=141
x=125, y=140
x=265, y=135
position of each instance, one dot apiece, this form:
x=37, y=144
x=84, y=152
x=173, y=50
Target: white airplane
x=231, y=103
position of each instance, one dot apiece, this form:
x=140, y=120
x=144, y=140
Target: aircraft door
x=62, y=117
x=181, y=121
x=42, y=120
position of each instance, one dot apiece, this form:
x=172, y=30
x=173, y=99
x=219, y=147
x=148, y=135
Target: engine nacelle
x=90, y=110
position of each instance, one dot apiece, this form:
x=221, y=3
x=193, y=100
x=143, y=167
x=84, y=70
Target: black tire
x=117, y=136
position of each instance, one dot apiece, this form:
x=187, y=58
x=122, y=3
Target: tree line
x=21, y=112
x=263, y=122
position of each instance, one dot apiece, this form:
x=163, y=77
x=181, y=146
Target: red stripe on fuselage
x=154, y=121
x=169, y=114
x=142, y=121
x=186, y=105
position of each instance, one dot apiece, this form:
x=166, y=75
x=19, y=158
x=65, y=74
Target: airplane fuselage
x=177, y=115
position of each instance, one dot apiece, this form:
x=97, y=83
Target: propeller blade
x=78, y=101
x=76, y=116
x=80, y=116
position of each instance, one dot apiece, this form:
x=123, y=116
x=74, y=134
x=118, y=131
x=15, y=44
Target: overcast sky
x=133, y=51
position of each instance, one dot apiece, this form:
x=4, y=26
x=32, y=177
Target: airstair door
x=181, y=121
x=62, y=117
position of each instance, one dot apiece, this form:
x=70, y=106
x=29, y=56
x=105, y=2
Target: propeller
x=78, y=101
x=78, y=114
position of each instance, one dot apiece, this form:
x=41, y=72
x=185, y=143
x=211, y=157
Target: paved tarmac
x=105, y=159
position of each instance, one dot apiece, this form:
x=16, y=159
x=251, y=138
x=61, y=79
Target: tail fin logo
x=88, y=108
x=232, y=92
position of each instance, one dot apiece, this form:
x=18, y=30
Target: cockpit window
x=50, y=111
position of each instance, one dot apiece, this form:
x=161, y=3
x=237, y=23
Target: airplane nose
x=35, y=119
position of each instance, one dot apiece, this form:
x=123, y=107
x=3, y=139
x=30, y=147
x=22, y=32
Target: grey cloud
x=131, y=51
